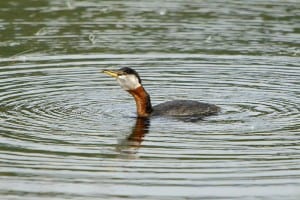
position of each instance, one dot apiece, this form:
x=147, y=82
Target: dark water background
x=69, y=132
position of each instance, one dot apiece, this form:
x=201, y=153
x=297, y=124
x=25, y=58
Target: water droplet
x=162, y=11
x=208, y=39
x=92, y=38
x=42, y=31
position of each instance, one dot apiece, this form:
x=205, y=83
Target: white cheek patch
x=128, y=82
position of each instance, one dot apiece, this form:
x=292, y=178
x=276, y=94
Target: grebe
x=130, y=81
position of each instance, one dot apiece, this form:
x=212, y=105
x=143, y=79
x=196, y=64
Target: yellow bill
x=112, y=73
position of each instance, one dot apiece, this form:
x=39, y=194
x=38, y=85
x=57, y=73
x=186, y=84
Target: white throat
x=128, y=82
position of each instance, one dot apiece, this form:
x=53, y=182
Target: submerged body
x=130, y=81
x=184, y=108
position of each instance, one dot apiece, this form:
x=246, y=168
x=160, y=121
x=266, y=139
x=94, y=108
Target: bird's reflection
x=133, y=142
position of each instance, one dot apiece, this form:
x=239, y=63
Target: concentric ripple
x=65, y=121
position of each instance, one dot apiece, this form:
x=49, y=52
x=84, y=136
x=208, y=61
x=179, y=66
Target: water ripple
x=67, y=130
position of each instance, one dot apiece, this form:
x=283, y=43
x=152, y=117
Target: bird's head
x=128, y=78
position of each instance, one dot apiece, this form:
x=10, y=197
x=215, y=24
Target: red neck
x=142, y=100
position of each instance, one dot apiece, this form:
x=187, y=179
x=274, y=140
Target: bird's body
x=184, y=108
x=130, y=81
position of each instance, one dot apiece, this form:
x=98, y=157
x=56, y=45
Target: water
x=69, y=132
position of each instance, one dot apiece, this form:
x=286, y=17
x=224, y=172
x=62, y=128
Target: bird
x=130, y=81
